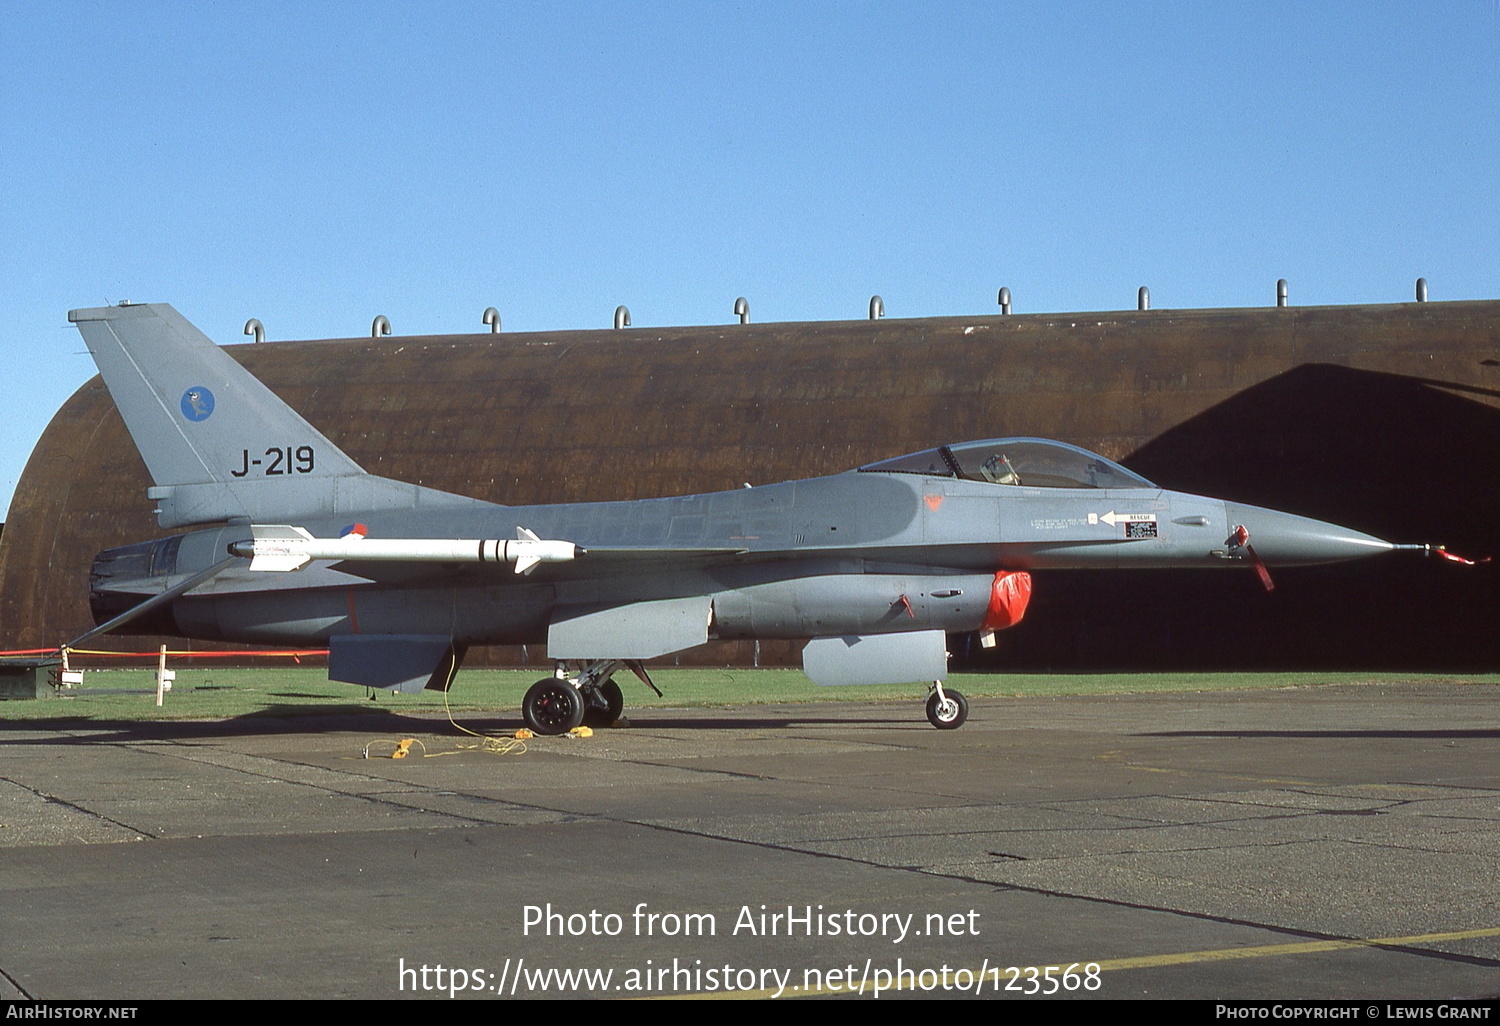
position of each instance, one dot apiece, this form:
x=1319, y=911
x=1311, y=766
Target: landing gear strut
x=559, y=703
x=601, y=695
x=946, y=708
x=605, y=703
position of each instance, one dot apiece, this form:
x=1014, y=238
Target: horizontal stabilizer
x=135, y=612
x=640, y=630
x=910, y=657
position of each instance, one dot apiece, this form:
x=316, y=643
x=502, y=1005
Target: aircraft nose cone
x=1285, y=539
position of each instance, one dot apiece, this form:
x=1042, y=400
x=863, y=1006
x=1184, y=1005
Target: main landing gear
x=552, y=706
x=557, y=704
x=946, y=708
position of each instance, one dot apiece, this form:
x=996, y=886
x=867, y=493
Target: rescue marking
x=1112, y=518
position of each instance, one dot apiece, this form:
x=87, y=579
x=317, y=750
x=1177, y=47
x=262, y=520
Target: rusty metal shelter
x=1383, y=418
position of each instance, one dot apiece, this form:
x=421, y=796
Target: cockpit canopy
x=1025, y=462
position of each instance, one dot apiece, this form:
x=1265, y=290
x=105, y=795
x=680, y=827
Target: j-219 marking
x=278, y=461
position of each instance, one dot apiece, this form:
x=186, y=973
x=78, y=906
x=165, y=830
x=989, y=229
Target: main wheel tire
x=604, y=705
x=552, y=706
x=947, y=715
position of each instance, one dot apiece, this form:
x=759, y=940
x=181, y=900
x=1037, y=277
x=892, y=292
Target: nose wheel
x=946, y=708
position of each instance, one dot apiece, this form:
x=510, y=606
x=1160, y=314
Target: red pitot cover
x=1009, y=594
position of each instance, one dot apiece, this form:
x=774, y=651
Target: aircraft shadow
x=299, y=719
x=333, y=718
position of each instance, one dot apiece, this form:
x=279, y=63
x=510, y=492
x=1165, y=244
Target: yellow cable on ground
x=496, y=745
x=512, y=745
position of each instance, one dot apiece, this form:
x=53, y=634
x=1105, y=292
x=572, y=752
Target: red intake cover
x=1009, y=594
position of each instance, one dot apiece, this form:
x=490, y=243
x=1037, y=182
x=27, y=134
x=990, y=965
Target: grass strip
x=217, y=692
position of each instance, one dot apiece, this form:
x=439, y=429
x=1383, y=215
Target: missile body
x=280, y=548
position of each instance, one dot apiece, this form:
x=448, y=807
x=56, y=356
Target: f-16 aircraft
x=298, y=545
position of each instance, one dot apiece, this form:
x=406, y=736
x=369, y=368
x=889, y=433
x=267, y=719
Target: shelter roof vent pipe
x=622, y=317
x=1421, y=290
x=380, y=326
x=492, y=318
x=1143, y=298
x=877, y=308
x=1281, y=292
x=742, y=310
x=1005, y=300
x=254, y=327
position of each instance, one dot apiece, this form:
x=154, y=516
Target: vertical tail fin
x=219, y=444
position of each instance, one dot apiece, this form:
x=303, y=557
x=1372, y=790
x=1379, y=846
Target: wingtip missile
x=281, y=548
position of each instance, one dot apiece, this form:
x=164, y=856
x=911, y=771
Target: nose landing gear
x=946, y=708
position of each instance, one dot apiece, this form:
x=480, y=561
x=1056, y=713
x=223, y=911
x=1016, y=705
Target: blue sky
x=314, y=165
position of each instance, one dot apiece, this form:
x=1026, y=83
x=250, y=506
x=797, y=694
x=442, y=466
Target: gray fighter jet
x=876, y=565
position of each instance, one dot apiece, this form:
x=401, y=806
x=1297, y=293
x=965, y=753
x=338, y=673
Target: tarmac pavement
x=1329, y=842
